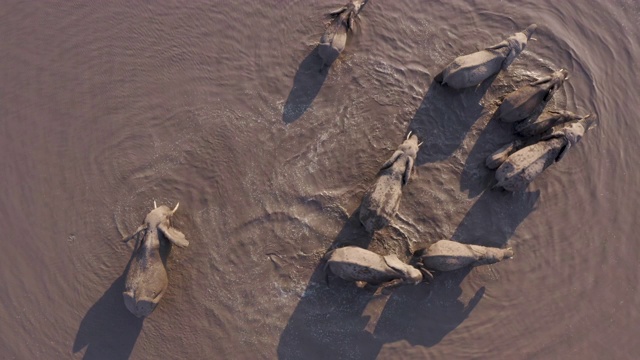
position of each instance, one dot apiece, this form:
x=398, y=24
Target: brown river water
x=107, y=106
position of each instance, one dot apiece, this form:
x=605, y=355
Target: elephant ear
x=352, y=22
x=392, y=159
x=564, y=151
x=541, y=81
x=552, y=91
x=140, y=228
x=553, y=135
x=337, y=12
x=499, y=45
x=174, y=235
x=395, y=263
x=511, y=57
x=407, y=170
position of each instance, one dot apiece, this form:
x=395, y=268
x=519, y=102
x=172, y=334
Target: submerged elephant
x=380, y=203
x=521, y=103
x=524, y=165
x=447, y=255
x=334, y=39
x=146, y=279
x=471, y=70
x=546, y=121
x=353, y=263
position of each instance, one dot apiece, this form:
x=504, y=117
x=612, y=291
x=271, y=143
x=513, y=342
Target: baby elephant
x=447, y=255
x=521, y=103
x=544, y=122
x=524, y=165
x=334, y=39
x=381, y=201
x=147, y=280
x=353, y=263
x=501, y=155
x=470, y=70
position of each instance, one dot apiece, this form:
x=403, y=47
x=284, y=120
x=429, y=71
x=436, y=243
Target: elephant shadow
x=424, y=315
x=327, y=323
x=330, y=322
x=476, y=177
x=306, y=86
x=495, y=216
x=444, y=117
x=108, y=330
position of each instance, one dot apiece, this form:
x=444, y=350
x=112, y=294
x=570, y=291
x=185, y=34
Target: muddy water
x=109, y=106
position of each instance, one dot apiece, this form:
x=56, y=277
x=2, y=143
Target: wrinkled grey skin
x=147, y=279
x=380, y=203
x=501, y=155
x=447, y=255
x=521, y=103
x=353, y=263
x=544, y=122
x=523, y=166
x=470, y=70
x=334, y=39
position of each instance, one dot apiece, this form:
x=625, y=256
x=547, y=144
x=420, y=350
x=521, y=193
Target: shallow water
x=109, y=106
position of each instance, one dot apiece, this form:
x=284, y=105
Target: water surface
x=108, y=106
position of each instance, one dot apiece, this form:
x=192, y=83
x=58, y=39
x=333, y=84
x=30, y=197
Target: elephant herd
x=544, y=138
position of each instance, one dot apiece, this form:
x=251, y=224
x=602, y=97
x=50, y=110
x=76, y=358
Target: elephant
x=352, y=263
x=496, y=159
x=380, y=203
x=543, y=123
x=447, y=255
x=524, y=165
x=523, y=102
x=472, y=69
x=146, y=279
x=334, y=39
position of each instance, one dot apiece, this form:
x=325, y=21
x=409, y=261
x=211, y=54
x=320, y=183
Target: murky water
x=108, y=106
